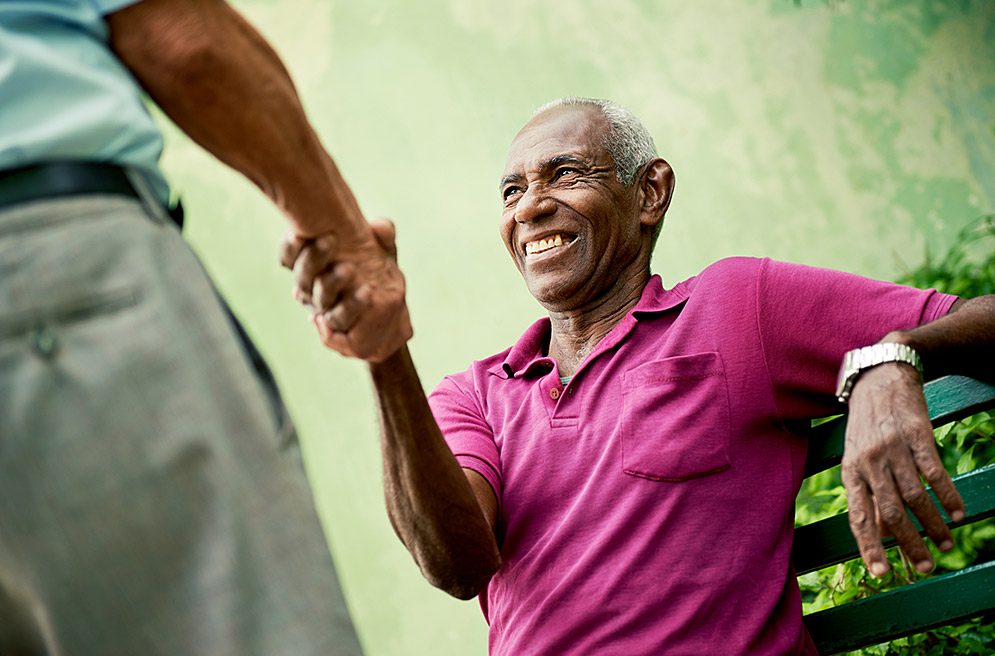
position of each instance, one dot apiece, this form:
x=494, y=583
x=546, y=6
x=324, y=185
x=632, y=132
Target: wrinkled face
x=571, y=227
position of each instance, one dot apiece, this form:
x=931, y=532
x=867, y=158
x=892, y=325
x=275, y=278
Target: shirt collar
x=526, y=355
x=656, y=299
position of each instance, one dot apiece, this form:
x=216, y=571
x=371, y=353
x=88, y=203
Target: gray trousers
x=152, y=498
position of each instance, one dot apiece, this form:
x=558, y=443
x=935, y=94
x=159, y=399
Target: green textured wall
x=842, y=134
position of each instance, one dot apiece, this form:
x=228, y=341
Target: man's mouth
x=543, y=245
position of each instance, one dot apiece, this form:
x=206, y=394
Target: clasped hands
x=889, y=445
x=354, y=289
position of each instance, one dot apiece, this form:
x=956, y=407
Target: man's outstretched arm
x=444, y=515
x=222, y=84
x=889, y=439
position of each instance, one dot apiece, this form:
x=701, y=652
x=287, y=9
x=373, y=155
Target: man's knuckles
x=290, y=247
x=887, y=446
x=860, y=521
x=916, y=497
x=892, y=514
x=931, y=468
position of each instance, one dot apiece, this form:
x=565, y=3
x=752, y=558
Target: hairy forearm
x=962, y=342
x=430, y=503
x=223, y=85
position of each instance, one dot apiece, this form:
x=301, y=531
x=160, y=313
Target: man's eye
x=562, y=171
x=509, y=192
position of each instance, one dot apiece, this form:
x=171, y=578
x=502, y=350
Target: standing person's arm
x=889, y=440
x=223, y=85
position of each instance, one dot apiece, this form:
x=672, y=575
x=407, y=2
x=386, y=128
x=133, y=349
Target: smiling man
x=621, y=480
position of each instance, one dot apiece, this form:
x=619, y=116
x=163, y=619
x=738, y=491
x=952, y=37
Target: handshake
x=354, y=289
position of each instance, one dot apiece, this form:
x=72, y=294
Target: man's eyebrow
x=553, y=162
x=550, y=163
x=508, y=179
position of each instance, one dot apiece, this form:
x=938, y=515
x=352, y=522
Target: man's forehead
x=572, y=130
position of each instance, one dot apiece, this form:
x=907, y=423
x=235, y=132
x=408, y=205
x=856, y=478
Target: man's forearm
x=223, y=85
x=962, y=342
x=429, y=500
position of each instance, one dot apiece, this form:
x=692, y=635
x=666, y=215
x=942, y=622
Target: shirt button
x=554, y=393
x=44, y=342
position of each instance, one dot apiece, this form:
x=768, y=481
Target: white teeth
x=534, y=247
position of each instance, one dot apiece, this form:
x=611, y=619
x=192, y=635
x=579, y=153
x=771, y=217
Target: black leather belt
x=54, y=179
x=62, y=179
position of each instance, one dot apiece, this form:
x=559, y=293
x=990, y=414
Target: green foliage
x=966, y=269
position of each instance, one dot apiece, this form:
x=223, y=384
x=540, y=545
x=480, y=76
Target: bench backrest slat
x=928, y=604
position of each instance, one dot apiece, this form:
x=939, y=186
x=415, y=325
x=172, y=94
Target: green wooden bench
x=926, y=604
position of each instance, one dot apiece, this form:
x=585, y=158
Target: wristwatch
x=859, y=360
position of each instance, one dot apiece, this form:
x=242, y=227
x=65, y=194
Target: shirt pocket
x=675, y=422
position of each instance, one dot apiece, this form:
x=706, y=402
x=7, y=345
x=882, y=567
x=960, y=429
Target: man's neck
x=575, y=333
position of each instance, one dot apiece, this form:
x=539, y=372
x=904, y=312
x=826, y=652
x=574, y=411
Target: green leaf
x=942, y=432
x=966, y=462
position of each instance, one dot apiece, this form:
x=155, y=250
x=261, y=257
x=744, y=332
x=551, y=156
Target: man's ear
x=656, y=188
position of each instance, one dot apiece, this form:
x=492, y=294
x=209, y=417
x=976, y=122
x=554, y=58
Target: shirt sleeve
x=466, y=431
x=105, y=7
x=809, y=317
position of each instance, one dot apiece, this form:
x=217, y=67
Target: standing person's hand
x=355, y=290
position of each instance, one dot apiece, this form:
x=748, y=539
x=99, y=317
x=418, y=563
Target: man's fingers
x=386, y=235
x=357, y=295
x=863, y=526
x=892, y=490
x=929, y=463
x=338, y=342
x=347, y=311
x=312, y=260
x=304, y=273
x=882, y=528
x=290, y=248
x=914, y=494
x=926, y=461
x=331, y=286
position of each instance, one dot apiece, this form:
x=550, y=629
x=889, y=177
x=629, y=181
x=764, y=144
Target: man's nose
x=534, y=204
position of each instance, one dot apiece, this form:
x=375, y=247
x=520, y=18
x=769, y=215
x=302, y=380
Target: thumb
x=385, y=234
x=290, y=247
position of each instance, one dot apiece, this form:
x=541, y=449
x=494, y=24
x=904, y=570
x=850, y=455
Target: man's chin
x=553, y=294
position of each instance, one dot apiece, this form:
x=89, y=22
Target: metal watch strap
x=859, y=360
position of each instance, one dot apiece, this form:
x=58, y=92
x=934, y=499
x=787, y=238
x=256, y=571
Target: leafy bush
x=966, y=269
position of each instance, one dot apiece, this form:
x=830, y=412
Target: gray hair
x=626, y=139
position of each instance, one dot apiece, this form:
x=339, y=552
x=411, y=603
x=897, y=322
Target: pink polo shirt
x=647, y=508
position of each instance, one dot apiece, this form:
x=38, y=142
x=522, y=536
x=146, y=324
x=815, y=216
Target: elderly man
x=621, y=480
x=152, y=499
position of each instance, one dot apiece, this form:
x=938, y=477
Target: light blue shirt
x=63, y=93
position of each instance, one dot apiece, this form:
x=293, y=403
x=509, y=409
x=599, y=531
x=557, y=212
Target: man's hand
x=889, y=444
x=355, y=290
